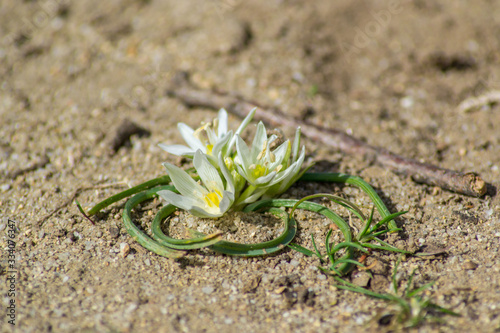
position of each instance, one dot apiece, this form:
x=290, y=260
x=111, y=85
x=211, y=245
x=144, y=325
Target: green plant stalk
x=353, y=180
x=414, y=308
x=258, y=249
x=137, y=234
x=164, y=180
x=180, y=244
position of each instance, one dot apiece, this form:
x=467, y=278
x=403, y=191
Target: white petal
x=296, y=144
x=258, y=140
x=212, y=137
x=183, y=182
x=222, y=117
x=288, y=172
x=221, y=142
x=243, y=172
x=242, y=126
x=187, y=134
x=207, y=172
x=200, y=212
x=226, y=202
x=243, y=153
x=264, y=180
x=291, y=176
x=302, y=156
x=177, y=200
x=279, y=154
x=179, y=150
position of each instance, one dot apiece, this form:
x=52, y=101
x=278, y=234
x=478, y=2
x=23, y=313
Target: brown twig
x=464, y=183
x=69, y=200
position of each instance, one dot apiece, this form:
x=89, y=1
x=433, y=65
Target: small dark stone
x=282, y=281
x=114, y=232
x=252, y=285
x=457, y=62
x=290, y=298
x=306, y=297
x=385, y=320
x=72, y=237
x=287, y=281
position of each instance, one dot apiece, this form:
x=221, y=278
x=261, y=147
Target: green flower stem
x=353, y=180
x=258, y=249
x=164, y=180
x=137, y=234
x=247, y=250
x=238, y=204
x=180, y=244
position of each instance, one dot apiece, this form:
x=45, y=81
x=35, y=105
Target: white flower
x=269, y=173
x=291, y=163
x=217, y=138
x=212, y=199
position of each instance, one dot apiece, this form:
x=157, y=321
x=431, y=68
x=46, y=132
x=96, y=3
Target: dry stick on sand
x=464, y=183
x=38, y=224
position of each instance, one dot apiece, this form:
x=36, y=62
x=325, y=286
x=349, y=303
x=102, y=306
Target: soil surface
x=393, y=74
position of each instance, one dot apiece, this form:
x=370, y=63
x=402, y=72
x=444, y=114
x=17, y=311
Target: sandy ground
x=393, y=74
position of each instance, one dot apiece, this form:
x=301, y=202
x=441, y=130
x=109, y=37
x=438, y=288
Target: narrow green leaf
x=301, y=249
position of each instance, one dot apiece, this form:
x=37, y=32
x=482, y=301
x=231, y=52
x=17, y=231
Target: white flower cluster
x=231, y=174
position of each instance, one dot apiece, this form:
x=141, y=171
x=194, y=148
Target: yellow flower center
x=212, y=199
x=258, y=170
x=209, y=149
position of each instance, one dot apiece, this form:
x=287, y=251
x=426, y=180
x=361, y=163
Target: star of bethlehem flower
x=211, y=138
x=212, y=198
x=268, y=173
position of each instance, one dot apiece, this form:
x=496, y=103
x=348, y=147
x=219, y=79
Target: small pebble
x=469, y=265
x=88, y=245
x=124, y=249
x=72, y=237
x=280, y=290
x=208, y=290
x=114, y=232
x=407, y=102
x=361, y=279
x=5, y=187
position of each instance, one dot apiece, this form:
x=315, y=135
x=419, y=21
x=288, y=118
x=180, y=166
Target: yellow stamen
x=215, y=125
x=198, y=131
x=212, y=199
x=272, y=158
x=263, y=151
